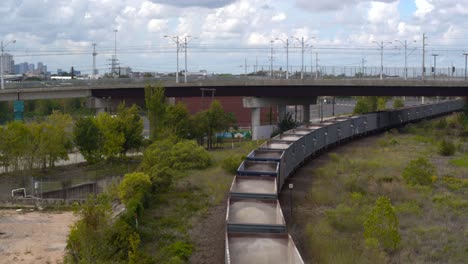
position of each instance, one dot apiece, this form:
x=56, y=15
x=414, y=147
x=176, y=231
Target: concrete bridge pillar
x=255, y=120
x=306, y=113
x=256, y=103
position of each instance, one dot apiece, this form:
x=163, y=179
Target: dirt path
x=208, y=235
x=33, y=237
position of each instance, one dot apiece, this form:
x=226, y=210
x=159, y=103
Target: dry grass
x=432, y=219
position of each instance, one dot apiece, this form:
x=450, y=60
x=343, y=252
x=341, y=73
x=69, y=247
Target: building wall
x=231, y=104
x=7, y=63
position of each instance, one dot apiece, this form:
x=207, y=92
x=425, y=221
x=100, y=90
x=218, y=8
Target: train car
x=255, y=215
x=257, y=187
x=261, y=248
x=299, y=143
x=255, y=227
x=305, y=132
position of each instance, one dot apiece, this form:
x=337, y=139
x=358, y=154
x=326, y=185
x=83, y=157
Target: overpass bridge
x=251, y=95
x=252, y=87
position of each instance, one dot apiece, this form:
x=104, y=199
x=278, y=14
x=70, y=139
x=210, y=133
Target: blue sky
x=60, y=33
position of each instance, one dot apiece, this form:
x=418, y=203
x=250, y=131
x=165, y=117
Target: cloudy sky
x=225, y=33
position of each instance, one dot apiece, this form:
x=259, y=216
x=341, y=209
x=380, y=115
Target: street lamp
x=302, y=42
x=406, y=56
x=287, y=55
x=381, y=46
x=177, y=42
x=3, y=46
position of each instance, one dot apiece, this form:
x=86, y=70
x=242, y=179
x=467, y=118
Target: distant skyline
x=61, y=33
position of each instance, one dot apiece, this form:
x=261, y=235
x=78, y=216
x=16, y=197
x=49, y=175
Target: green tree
x=213, y=120
x=114, y=139
x=130, y=125
x=56, y=137
x=419, y=172
x=398, y=103
x=89, y=139
x=134, y=185
x=156, y=105
x=178, y=120
x=14, y=142
x=381, y=225
x=6, y=113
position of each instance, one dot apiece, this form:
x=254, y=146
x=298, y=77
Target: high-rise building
x=31, y=67
x=7, y=63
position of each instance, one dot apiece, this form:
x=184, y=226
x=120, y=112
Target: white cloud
x=157, y=25
x=278, y=17
x=423, y=7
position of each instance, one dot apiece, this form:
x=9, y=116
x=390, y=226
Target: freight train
x=256, y=231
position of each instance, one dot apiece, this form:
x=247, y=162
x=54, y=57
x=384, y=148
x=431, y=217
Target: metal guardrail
x=216, y=80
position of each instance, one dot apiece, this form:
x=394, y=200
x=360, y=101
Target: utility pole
x=287, y=56
x=466, y=57
x=363, y=61
x=316, y=65
x=114, y=59
x=177, y=42
x=186, y=41
x=3, y=46
x=381, y=46
x=302, y=42
x=405, y=45
x=435, y=63
x=245, y=66
x=94, y=61
x=423, y=58
x=271, y=59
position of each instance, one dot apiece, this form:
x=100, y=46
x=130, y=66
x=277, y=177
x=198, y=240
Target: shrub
x=419, y=172
x=382, y=225
x=446, y=148
x=134, y=185
x=398, y=102
x=231, y=163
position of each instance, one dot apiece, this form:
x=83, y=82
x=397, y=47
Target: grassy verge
x=432, y=218
x=166, y=225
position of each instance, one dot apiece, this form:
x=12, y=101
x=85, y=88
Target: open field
x=335, y=192
x=33, y=237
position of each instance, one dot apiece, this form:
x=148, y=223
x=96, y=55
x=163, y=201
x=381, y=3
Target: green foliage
x=134, y=186
x=398, y=103
x=382, y=225
x=231, y=163
x=345, y=218
x=155, y=101
x=455, y=183
x=210, y=121
x=460, y=162
x=6, y=114
x=181, y=251
x=88, y=138
x=178, y=120
x=419, y=172
x=96, y=238
x=130, y=124
x=35, y=144
x=163, y=158
x=446, y=148
x=285, y=124
x=114, y=138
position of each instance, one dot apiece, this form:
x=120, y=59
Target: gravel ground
x=208, y=234
x=33, y=237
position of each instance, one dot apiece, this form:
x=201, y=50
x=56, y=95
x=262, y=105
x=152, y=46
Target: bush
x=134, y=184
x=446, y=148
x=398, y=102
x=419, y=172
x=231, y=163
x=381, y=225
